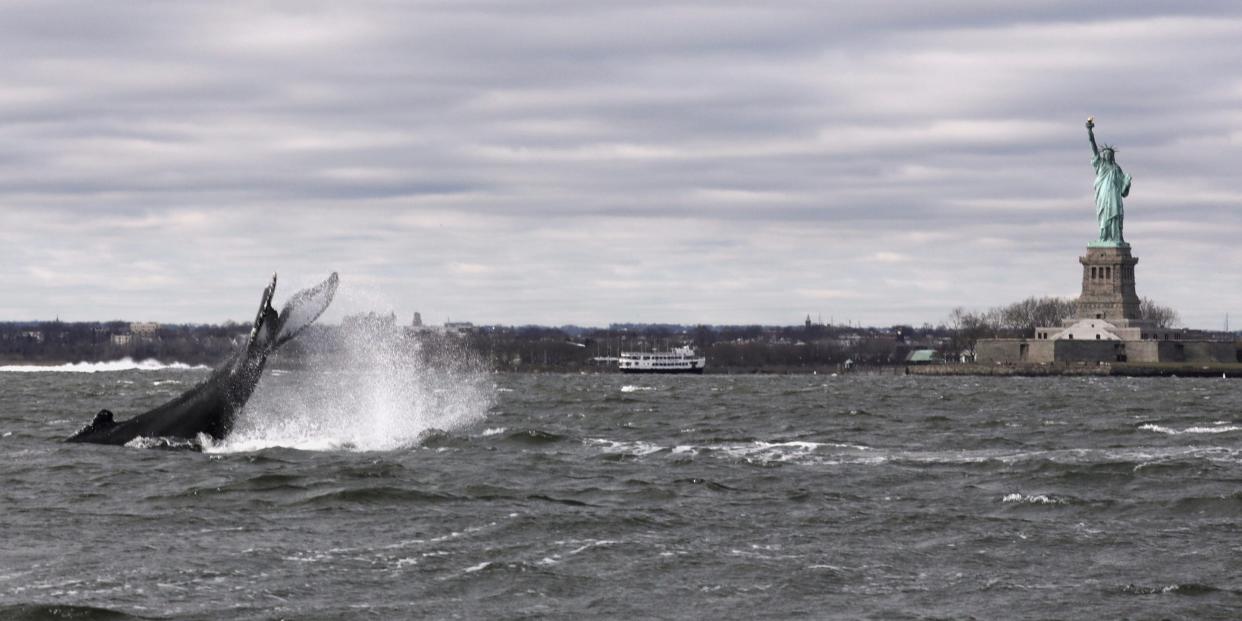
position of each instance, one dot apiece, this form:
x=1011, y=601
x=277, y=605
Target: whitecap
x=1033, y=499
x=797, y=451
x=631, y=388
x=633, y=448
x=202, y=442
x=591, y=543
x=1173, y=432
x=492, y=431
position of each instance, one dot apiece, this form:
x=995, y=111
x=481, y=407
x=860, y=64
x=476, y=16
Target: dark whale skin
x=212, y=406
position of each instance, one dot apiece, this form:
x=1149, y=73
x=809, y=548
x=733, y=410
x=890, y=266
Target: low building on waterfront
x=923, y=356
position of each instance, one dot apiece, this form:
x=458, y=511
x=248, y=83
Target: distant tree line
x=55, y=341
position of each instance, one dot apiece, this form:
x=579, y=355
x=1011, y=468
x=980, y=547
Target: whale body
x=212, y=406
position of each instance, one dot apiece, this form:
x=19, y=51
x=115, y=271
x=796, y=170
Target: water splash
x=364, y=388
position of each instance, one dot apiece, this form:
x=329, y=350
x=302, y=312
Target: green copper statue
x=1111, y=185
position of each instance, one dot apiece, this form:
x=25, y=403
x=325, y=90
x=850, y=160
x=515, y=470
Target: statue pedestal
x=1108, y=285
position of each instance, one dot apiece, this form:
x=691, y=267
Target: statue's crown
x=1108, y=147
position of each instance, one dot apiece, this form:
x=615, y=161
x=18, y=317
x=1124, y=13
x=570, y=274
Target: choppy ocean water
x=607, y=496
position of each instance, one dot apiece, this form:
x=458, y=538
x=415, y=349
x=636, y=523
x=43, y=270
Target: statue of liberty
x=1111, y=185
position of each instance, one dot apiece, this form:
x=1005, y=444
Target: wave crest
x=1219, y=428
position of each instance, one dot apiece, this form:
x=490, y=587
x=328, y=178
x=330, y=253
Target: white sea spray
x=373, y=390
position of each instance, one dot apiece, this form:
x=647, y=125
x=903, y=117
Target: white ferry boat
x=680, y=360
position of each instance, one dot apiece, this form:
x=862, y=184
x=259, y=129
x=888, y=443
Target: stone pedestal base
x=1108, y=285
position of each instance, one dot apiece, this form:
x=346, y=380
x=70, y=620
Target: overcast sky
x=562, y=161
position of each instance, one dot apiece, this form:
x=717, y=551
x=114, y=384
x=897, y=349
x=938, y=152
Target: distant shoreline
x=1228, y=370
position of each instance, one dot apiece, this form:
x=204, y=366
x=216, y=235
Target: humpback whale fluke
x=212, y=406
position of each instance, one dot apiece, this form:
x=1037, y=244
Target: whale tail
x=304, y=308
x=272, y=329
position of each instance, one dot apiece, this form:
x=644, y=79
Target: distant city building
x=34, y=335
x=121, y=339
x=418, y=320
x=144, y=328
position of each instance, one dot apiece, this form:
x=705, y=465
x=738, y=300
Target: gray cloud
x=591, y=162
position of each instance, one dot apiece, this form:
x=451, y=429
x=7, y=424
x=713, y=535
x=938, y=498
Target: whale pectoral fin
x=304, y=308
x=103, y=421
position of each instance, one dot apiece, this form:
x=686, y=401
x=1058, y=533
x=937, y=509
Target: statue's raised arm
x=1091, y=134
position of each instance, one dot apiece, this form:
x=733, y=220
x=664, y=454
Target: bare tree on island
x=1160, y=316
x=1026, y=315
x=1019, y=319
x=966, y=327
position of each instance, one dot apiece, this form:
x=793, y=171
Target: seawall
x=1120, y=369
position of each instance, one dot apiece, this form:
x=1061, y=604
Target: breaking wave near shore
x=124, y=364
